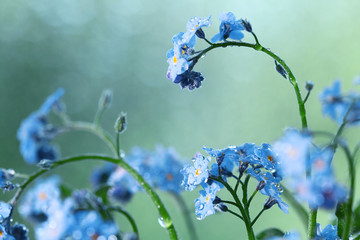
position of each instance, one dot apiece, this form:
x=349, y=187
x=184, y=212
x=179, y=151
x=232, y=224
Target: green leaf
x=356, y=222
x=340, y=214
x=102, y=193
x=268, y=233
x=65, y=191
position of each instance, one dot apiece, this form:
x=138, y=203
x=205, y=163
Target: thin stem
x=118, y=144
x=235, y=214
x=244, y=214
x=259, y=47
x=352, y=172
x=186, y=213
x=307, y=96
x=256, y=39
x=312, y=224
x=98, y=116
x=98, y=131
x=210, y=43
x=154, y=197
x=127, y=216
x=238, y=181
x=21, y=175
x=256, y=218
x=245, y=192
x=251, y=197
x=229, y=202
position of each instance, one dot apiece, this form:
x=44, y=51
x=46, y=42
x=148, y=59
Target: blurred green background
x=88, y=45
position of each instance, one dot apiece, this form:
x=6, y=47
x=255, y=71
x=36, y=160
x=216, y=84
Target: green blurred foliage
x=88, y=45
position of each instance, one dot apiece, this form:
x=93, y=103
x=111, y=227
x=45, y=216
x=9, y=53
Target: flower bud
x=105, y=99
x=121, y=123
x=200, y=33
x=280, y=69
x=260, y=185
x=269, y=203
x=246, y=24
x=309, y=85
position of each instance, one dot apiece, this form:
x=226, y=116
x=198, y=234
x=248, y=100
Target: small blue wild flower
x=4, y=235
x=197, y=174
x=5, y=210
x=42, y=200
x=35, y=132
x=229, y=28
x=328, y=233
x=204, y=204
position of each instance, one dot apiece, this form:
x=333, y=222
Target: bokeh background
x=86, y=46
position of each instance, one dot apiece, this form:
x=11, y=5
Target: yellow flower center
x=42, y=196
x=175, y=59
x=270, y=158
x=198, y=171
x=207, y=198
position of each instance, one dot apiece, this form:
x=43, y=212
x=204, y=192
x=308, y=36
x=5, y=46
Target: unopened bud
x=260, y=186
x=246, y=24
x=221, y=207
x=200, y=33
x=280, y=69
x=309, y=85
x=269, y=203
x=105, y=99
x=121, y=123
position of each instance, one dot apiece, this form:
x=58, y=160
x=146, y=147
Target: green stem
x=186, y=213
x=235, y=214
x=349, y=215
x=229, y=202
x=246, y=217
x=312, y=224
x=164, y=215
x=251, y=197
x=259, y=47
x=98, y=116
x=245, y=192
x=127, y=216
x=256, y=218
x=118, y=144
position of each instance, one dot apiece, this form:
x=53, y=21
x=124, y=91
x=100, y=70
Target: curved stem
x=352, y=172
x=186, y=213
x=127, y=216
x=251, y=197
x=235, y=214
x=259, y=47
x=154, y=197
x=256, y=218
x=229, y=202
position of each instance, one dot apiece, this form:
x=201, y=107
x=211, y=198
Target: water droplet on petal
x=201, y=207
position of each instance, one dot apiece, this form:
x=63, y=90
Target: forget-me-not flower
x=229, y=28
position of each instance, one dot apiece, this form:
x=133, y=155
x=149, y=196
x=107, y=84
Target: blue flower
x=336, y=105
x=42, y=200
x=204, y=204
x=5, y=176
x=5, y=210
x=197, y=174
x=123, y=185
x=180, y=65
x=328, y=233
x=292, y=150
x=35, y=133
x=89, y=225
x=229, y=28
x=4, y=235
x=19, y=232
x=267, y=157
x=100, y=175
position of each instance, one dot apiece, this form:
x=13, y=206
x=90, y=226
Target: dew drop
x=199, y=218
x=161, y=222
x=201, y=207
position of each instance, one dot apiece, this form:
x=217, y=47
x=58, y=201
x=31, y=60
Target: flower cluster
x=160, y=168
x=75, y=217
x=259, y=162
x=182, y=57
x=340, y=107
x=307, y=169
x=35, y=132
